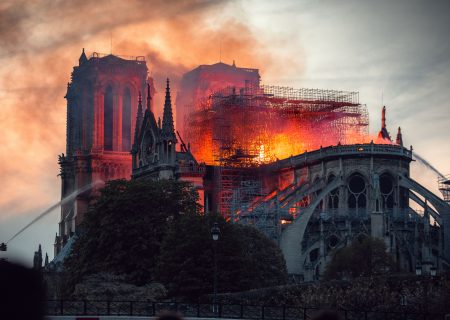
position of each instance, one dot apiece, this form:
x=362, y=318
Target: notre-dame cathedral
x=310, y=204
x=110, y=136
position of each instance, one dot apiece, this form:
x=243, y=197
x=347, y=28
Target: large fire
x=256, y=124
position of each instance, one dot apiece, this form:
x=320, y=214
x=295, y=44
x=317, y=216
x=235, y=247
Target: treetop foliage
x=246, y=259
x=363, y=257
x=123, y=230
x=154, y=231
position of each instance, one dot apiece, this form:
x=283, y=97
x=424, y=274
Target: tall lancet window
x=126, y=120
x=108, y=119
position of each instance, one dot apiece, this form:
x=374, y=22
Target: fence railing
x=342, y=150
x=230, y=311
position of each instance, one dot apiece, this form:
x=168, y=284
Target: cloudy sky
x=392, y=52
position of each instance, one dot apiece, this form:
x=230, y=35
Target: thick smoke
x=40, y=42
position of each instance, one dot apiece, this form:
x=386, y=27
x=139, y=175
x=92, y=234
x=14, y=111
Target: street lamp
x=215, y=233
x=433, y=271
x=418, y=270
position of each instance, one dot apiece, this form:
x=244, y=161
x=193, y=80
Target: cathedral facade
x=102, y=103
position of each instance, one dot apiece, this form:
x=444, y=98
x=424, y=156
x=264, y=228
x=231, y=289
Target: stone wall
x=410, y=293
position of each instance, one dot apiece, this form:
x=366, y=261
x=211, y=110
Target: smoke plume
x=40, y=42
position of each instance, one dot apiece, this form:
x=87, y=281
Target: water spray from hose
x=64, y=201
x=428, y=165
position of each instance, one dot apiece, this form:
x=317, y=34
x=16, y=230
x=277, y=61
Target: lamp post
x=418, y=270
x=433, y=271
x=215, y=233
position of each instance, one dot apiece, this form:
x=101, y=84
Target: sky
x=393, y=52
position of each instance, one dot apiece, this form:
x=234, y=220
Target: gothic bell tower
x=102, y=103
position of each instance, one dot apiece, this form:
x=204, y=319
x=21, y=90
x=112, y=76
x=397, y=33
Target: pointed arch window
x=357, y=194
x=108, y=119
x=126, y=120
x=333, y=196
x=387, y=191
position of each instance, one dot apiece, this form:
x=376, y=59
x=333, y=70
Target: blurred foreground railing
x=232, y=311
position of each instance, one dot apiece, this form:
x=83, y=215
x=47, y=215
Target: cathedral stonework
x=154, y=152
x=311, y=204
x=101, y=107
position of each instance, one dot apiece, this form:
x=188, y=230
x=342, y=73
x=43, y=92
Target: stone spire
x=384, y=134
x=168, y=130
x=399, y=139
x=82, y=58
x=46, y=260
x=37, y=261
x=137, y=128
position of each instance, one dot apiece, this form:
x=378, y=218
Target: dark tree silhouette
x=246, y=258
x=364, y=257
x=122, y=232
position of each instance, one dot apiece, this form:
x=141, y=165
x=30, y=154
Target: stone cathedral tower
x=102, y=102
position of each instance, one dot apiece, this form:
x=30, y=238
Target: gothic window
x=333, y=197
x=169, y=148
x=126, y=120
x=333, y=241
x=357, y=193
x=314, y=255
x=387, y=191
x=148, y=147
x=108, y=119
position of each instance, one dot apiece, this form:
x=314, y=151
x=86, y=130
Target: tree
x=364, y=257
x=122, y=232
x=246, y=259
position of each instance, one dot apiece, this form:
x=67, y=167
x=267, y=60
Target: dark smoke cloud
x=40, y=42
x=43, y=25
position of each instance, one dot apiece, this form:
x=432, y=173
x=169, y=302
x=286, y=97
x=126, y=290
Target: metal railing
x=230, y=311
x=200, y=169
x=343, y=150
x=102, y=55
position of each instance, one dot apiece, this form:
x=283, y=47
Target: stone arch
x=357, y=192
x=331, y=173
x=313, y=261
x=315, y=181
x=127, y=119
x=387, y=190
x=148, y=146
x=333, y=241
x=356, y=171
x=295, y=232
x=438, y=204
x=134, y=88
x=333, y=197
x=113, y=83
x=108, y=118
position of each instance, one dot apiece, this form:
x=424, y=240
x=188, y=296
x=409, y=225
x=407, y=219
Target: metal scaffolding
x=236, y=128
x=444, y=187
